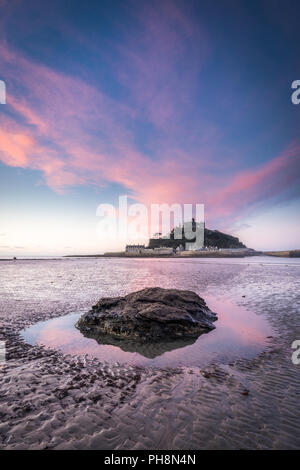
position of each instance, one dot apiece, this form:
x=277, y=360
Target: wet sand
x=52, y=401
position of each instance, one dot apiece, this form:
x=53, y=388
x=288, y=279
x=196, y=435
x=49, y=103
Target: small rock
x=205, y=374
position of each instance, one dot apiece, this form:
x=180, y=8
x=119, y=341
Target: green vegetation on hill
x=221, y=240
x=212, y=238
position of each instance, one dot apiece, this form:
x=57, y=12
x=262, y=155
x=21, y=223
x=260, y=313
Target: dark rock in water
x=151, y=314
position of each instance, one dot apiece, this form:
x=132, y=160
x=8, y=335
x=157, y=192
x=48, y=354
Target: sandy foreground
x=52, y=401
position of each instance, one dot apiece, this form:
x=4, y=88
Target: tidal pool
x=239, y=333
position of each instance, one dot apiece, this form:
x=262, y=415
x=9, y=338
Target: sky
x=163, y=101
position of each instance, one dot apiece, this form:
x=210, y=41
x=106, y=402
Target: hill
x=212, y=238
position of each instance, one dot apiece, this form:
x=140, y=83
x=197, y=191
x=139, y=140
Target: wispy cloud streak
x=75, y=134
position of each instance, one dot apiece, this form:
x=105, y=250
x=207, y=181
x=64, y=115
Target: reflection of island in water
x=148, y=349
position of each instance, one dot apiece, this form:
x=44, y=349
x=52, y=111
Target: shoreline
x=128, y=256
x=182, y=255
x=51, y=400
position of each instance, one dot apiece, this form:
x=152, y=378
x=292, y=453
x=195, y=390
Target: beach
x=52, y=400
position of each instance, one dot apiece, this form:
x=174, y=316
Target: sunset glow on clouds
x=157, y=100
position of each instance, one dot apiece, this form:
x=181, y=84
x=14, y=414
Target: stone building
x=134, y=248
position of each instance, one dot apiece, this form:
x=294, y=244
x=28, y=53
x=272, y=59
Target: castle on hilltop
x=210, y=240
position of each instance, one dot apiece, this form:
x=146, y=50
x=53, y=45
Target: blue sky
x=166, y=101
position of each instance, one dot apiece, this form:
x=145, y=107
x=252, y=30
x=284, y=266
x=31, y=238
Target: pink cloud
x=74, y=134
x=89, y=140
x=250, y=186
x=160, y=62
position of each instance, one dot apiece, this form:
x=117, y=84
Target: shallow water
x=239, y=333
x=262, y=260
x=50, y=400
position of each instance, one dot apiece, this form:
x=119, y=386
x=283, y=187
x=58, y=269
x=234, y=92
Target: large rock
x=150, y=314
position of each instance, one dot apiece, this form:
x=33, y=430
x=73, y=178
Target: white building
x=164, y=250
x=134, y=248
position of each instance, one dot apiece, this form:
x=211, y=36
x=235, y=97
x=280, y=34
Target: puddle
x=239, y=333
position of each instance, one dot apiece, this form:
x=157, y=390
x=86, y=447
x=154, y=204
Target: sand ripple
x=48, y=400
